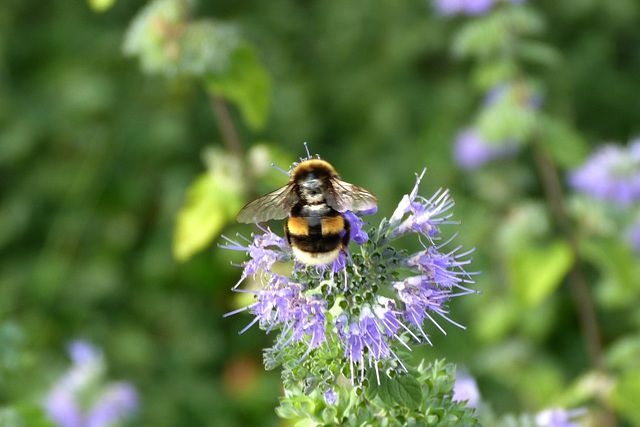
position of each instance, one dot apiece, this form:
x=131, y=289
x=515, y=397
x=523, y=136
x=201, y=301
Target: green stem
x=577, y=280
x=226, y=125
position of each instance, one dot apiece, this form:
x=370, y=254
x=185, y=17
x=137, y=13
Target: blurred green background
x=97, y=157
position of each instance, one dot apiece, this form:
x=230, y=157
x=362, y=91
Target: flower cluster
x=467, y=7
x=612, y=173
x=366, y=305
x=80, y=399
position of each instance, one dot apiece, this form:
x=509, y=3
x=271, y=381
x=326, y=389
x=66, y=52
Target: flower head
x=81, y=399
x=356, y=313
x=612, y=173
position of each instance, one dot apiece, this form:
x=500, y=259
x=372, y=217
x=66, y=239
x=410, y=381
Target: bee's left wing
x=343, y=196
x=275, y=205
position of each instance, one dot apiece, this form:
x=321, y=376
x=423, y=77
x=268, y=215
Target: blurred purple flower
x=79, y=399
x=612, y=173
x=467, y=7
x=558, y=417
x=466, y=389
x=472, y=151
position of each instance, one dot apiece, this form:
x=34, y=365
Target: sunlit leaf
x=213, y=200
x=537, y=271
x=627, y=395
x=101, y=5
x=619, y=269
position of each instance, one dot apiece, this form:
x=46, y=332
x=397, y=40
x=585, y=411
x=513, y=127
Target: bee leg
x=286, y=232
x=344, y=247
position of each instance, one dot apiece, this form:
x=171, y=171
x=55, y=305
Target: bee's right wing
x=275, y=205
x=343, y=196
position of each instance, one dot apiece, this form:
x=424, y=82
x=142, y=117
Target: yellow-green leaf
x=101, y=5
x=536, y=271
x=212, y=201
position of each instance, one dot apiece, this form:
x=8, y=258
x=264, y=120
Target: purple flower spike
x=80, y=399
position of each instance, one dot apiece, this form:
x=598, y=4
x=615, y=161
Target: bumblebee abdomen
x=317, y=239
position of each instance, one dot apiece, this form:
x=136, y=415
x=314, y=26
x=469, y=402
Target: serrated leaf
x=372, y=389
x=536, y=271
x=247, y=85
x=403, y=390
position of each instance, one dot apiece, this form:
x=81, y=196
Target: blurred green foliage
x=97, y=159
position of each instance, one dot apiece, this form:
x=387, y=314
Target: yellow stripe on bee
x=332, y=225
x=298, y=226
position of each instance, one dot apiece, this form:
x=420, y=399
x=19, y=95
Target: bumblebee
x=314, y=200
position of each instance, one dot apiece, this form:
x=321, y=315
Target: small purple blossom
x=78, y=400
x=357, y=234
x=471, y=151
x=466, y=389
x=425, y=215
x=330, y=397
x=612, y=173
x=262, y=258
x=559, y=417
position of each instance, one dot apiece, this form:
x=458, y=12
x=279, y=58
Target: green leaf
x=247, y=85
x=212, y=200
x=507, y=120
x=101, y=5
x=619, y=269
x=539, y=53
x=489, y=74
x=624, y=353
x=403, y=390
x=627, y=395
x=564, y=143
x=536, y=271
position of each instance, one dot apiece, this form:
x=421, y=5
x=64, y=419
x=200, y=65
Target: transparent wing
x=343, y=196
x=275, y=205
